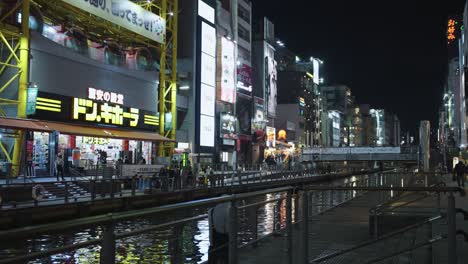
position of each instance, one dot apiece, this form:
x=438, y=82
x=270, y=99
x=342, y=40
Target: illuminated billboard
x=271, y=137
x=207, y=85
x=228, y=68
x=316, y=65
x=270, y=79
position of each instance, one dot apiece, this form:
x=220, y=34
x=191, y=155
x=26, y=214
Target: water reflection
x=187, y=243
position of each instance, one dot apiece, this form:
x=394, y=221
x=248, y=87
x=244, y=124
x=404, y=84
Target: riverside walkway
x=413, y=229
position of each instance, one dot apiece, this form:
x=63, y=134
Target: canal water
x=187, y=243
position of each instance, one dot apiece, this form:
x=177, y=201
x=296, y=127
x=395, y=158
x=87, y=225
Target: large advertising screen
x=228, y=67
x=270, y=79
x=207, y=86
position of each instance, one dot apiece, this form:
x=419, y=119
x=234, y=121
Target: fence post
x=233, y=234
x=133, y=185
x=289, y=230
x=111, y=182
x=429, y=248
x=66, y=192
x=305, y=227
x=451, y=232
x=93, y=190
x=108, y=245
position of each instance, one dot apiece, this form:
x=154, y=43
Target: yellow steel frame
x=168, y=10
x=16, y=40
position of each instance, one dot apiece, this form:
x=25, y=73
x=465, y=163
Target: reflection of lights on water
x=391, y=192
x=269, y=215
x=354, y=185
x=203, y=239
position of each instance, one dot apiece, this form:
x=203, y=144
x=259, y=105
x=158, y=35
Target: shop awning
x=79, y=130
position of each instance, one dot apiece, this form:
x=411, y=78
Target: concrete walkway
x=348, y=225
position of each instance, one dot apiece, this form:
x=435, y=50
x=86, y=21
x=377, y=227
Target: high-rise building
x=264, y=88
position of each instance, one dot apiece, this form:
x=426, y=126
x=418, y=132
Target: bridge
x=360, y=154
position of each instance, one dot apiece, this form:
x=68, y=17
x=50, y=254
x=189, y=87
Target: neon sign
x=104, y=113
x=451, y=30
x=105, y=96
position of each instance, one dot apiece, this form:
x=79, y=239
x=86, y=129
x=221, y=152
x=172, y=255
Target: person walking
x=218, y=219
x=59, y=167
x=460, y=171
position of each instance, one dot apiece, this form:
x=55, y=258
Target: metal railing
x=449, y=216
x=288, y=196
x=98, y=189
x=107, y=240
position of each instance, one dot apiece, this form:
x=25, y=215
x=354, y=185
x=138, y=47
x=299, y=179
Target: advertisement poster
x=271, y=137
x=258, y=120
x=244, y=77
x=228, y=126
x=270, y=79
x=228, y=66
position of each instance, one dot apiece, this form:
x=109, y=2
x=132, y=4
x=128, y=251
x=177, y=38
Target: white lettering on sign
x=105, y=96
x=126, y=14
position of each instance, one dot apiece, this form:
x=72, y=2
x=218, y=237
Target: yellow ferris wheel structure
x=15, y=40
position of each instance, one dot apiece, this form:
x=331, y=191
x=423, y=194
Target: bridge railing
x=291, y=206
x=109, y=188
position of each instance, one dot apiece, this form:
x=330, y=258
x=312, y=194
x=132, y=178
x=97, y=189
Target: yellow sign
x=105, y=113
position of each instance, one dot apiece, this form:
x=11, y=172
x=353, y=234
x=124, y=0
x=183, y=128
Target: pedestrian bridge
x=360, y=154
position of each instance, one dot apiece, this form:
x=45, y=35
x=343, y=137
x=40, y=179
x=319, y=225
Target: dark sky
x=392, y=54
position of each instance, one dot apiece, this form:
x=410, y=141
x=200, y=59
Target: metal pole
x=22, y=85
x=305, y=227
x=66, y=192
x=289, y=230
x=451, y=232
x=233, y=234
x=108, y=245
x=429, y=248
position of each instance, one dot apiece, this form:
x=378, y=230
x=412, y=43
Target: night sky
x=392, y=54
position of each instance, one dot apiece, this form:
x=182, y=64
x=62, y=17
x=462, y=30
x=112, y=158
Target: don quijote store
x=93, y=101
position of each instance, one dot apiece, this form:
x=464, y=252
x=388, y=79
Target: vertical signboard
x=206, y=85
x=270, y=79
x=316, y=65
x=228, y=66
x=31, y=98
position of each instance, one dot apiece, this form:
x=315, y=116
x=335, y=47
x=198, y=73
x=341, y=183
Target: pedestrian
x=190, y=177
x=460, y=171
x=218, y=219
x=211, y=177
x=59, y=167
